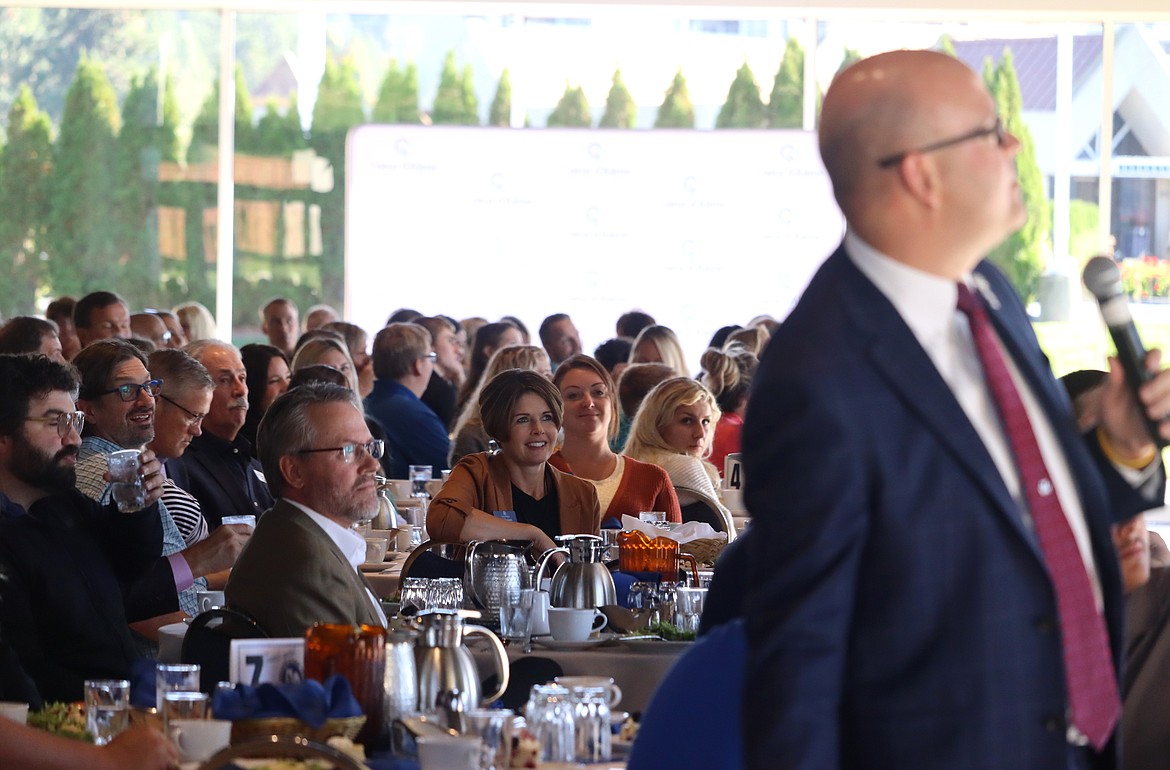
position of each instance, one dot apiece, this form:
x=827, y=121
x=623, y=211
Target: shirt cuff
x=181, y=571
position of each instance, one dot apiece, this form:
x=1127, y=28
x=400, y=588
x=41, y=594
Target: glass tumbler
x=107, y=708
x=494, y=728
x=550, y=718
x=593, y=738
x=414, y=596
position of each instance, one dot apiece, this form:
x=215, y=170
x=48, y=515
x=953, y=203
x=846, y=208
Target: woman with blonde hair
x=659, y=345
x=624, y=485
x=469, y=434
x=728, y=375
x=197, y=321
x=753, y=339
x=328, y=352
x=673, y=429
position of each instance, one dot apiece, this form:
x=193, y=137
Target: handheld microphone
x=1103, y=279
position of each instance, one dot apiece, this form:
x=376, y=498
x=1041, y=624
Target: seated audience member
x=525, y=337
x=560, y=338
x=623, y=484
x=448, y=374
x=329, y=352
x=358, y=344
x=515, y=493
x=218, y=467
x=318, y=316
x=60, y=312
x=316, y=334
x=470, y=436
x=728, y=375
x=101, y=315
x=469, y=327
x=142, y=747
x=614, y=355
x=659, y=345
x=766, y=322
x=178, y=340
x=197, y=321
x=268, y=377
x=753, y=339
x=403, y=360
x=488, y=339
x=673, y=429
x=403, y=315
x=301, y=565
x=148, y=326
x=321, y=373
x=719, y=338
x=636, y=381
x=67, y=560
x=280, y=323
x=1085, y=388
x=27, y=334
x=630, y=325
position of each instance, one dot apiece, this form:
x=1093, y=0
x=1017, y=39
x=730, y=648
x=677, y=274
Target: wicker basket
x=347, y=727
x=705, y=549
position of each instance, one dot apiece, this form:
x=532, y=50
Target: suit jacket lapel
x=900, y=359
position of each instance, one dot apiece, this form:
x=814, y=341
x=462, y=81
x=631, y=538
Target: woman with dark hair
x=268, y=377
x=488, y=339
x=515, y=493
x=624, y=485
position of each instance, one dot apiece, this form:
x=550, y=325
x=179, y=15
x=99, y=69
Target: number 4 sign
x=267, y=661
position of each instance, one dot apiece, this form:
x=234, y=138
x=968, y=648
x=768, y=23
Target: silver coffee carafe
x=583, y=581
x=447, y=675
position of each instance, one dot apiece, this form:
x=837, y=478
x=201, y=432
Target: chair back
x=696, y=506
x=435, y=558
x=209, y=642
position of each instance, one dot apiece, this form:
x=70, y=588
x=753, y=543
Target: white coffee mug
x=198, y=739
x=573, y=625
x=540, y=606
x=449, y=752
x=210, y=599
x=17, y=712
x=615, y=692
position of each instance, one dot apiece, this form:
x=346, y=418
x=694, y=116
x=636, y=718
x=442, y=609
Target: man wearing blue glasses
x=301, y=565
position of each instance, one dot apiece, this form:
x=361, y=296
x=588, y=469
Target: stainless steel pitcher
x=494, y=572
x=446, y=669
x=583, y=581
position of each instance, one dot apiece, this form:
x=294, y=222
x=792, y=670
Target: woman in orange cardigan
x=515, y=493
x=623, y=484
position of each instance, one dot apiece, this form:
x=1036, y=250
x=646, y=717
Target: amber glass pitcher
x=638, y=553
x=357, y=653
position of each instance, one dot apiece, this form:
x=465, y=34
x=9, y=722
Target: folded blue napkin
x=310, y=701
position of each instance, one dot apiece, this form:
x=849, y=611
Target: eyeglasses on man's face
x=192, y=418
x=130, y=391
x=1001, y=138
x=374, y=449
x=62, y=421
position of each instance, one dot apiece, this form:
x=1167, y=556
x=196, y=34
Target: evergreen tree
x=448, y=106
x=470, y=100
x=743, y=108
x=148, y=137
x=81, y=240
x=572, y=111
x=501, y=109
x=619, y=105
x=1021, y=256
x=786, y=104
x=280, y=135
x=398, y=95
x=338, y=109
x=676, y=110
x=851, y=57
x=24, y=170
x=946, y=44
x=205, y=131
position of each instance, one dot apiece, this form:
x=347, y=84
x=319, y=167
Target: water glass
x=180, y=704
x=550, y=715
x=126, y=480
x=494, y=728
x=419, y=476
x=592, y=735
x=416, y=537
x=107, y=708
x=181, y=677
x=444, y=593
x=516, y=616
x=688, y=607
x=643, y=595
x=412, y=596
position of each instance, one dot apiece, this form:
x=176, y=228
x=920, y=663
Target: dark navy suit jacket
x=902, y=615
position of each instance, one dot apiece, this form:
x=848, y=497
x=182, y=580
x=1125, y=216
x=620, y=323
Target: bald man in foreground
x=937, y=584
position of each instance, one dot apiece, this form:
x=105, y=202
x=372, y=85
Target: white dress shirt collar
x=351, y=544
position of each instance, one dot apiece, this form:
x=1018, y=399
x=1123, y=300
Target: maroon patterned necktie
x=1088, y=665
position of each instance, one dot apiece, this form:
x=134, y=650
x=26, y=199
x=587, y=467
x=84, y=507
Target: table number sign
x=267, y=661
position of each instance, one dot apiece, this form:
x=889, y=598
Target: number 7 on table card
x=267, y=661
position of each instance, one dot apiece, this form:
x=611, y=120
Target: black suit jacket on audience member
x=65, y=565
x=440, y=397
x=223, y=477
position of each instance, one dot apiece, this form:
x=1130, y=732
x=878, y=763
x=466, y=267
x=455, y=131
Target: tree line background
x=83, y=179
